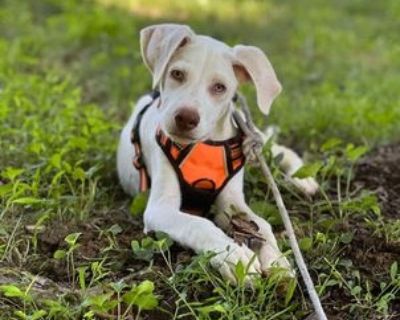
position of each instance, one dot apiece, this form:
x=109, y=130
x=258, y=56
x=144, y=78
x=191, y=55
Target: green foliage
x=147, y=247
x=38, y=314
x=141, y=296
x=12, y=291
x=305, y=244
x=139, y=203
x=307, y=171
x=101, y=303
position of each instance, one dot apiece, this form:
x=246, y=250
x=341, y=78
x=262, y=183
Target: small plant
x=100, y=304
x=30, y=310
x=68, y=254
x=139, y=203
x=111, y=233
x=147, y=247
x=140, y=296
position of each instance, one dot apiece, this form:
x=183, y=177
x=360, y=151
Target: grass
x=70, y=72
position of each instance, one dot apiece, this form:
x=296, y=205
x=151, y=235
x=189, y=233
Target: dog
x=186, y=129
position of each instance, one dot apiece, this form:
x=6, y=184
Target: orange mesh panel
x=237, y=163
x=174, y=152
x=205, y=161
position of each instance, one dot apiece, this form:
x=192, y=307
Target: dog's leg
x=201, y=235
x=230, y=202
x=290, y=163
x=197, y=233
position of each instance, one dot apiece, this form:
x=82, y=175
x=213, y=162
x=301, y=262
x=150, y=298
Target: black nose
x=187, y=119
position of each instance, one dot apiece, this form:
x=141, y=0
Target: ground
x=71, y=242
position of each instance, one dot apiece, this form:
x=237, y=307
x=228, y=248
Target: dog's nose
x=187, y=119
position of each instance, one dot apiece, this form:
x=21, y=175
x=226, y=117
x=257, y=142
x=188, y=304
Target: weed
x=71, y=241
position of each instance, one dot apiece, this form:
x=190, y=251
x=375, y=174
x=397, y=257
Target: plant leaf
x=240, y=272
x=308, y=170
x=142, y=296
x=59, y=254
x=331, y=144
x=72, y=238
x=21, y=314
x=393, y=270
x=11, y=291
x=213, y=308
x=355, y=153
x=291, y=287
x=12, y=173
x=139, y=204
x=305, y=244
x=28, y=200
x=37, y=314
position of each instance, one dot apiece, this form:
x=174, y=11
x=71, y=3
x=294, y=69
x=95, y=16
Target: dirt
x=94, y=242
x=371, y=255
x=380, y=172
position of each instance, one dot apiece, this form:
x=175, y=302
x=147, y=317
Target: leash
x=248, y=129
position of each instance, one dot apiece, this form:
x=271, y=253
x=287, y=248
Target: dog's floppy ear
x=158, y=43
x=251, y=64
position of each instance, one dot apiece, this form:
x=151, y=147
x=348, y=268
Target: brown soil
x=371, y=255
x=120, y=260
x=92, y=243
x=380, y=172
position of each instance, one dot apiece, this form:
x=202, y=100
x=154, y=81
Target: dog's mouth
x=183, y=138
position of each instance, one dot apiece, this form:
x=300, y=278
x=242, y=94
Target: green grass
x=70, y=72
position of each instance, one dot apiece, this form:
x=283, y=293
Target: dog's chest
x=203, y=169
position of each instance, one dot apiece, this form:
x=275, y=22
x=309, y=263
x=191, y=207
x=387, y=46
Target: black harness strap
x=138, y=162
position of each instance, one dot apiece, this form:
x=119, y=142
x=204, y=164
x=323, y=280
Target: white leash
x=249, y=130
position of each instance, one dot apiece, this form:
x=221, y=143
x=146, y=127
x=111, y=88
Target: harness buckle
x=138, y=162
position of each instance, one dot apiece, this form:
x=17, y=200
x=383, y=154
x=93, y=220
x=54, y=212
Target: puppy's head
x=198, y=77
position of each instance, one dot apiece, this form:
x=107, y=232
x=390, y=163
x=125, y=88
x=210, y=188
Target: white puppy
x=197, y=77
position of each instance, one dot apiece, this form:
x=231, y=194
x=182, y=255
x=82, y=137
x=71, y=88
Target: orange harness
x=203, y=168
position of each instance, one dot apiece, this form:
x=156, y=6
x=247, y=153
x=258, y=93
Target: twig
x=249, y=130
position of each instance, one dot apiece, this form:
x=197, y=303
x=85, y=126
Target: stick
x=249, y=130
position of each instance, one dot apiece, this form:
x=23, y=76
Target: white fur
x=204, y=60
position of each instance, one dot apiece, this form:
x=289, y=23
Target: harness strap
x=138, y=162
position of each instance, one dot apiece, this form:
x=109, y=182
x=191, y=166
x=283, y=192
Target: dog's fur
x=204, y=62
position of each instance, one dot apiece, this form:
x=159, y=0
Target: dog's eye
x=177, y=75
x=218, y=88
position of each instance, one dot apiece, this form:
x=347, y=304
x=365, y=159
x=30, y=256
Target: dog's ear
x=158, y=43
x=251, y=64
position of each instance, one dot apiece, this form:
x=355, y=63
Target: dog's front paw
x=271, y=257
x=309, y=186
x=227, y=259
